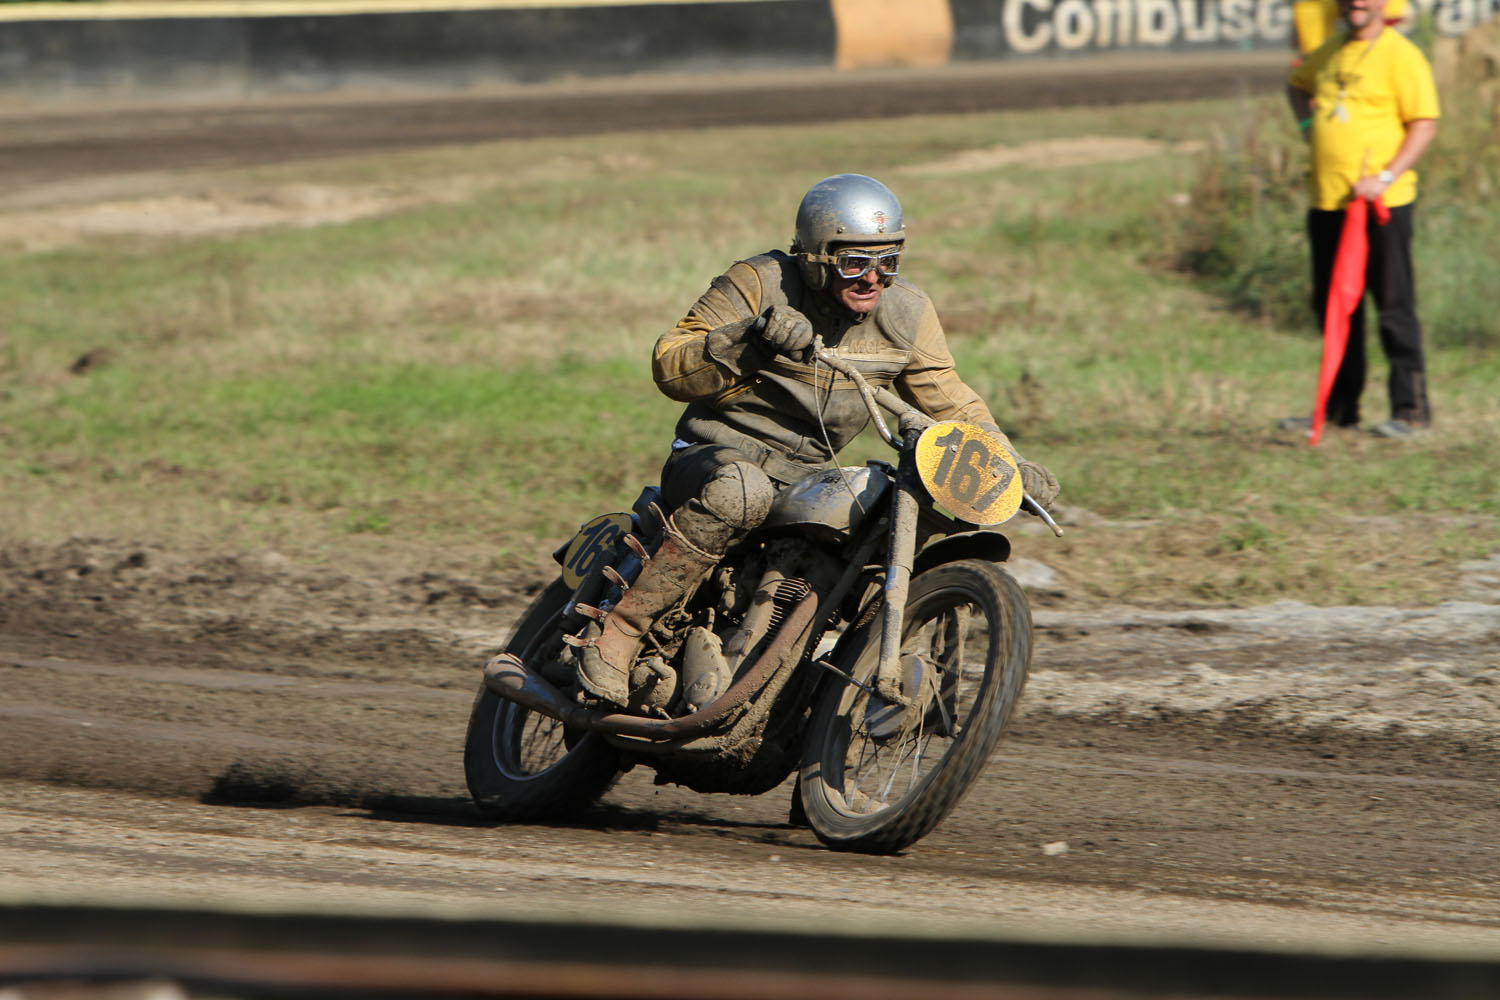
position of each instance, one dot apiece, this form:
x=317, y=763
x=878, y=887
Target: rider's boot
x=677, y=567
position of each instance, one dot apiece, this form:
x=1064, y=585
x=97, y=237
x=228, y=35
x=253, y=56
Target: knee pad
x=734, y=500
x=739, y=494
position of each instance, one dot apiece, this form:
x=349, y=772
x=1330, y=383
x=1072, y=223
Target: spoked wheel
x=520, y=764
x=881, y=768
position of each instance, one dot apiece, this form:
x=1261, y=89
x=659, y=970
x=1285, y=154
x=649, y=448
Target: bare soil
x=182, y=724
x=186, y=726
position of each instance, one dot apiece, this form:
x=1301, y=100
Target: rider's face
x=859, y=295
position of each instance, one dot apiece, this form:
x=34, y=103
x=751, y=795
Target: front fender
x=989, y=545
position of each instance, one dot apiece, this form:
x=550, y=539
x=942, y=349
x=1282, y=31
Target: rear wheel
x=520, y=764
x=879, y=773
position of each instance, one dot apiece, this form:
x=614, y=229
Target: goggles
x=852, y=264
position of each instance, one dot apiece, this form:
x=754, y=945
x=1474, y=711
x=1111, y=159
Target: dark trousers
x=1389, y=280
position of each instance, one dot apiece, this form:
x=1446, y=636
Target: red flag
x=1346, y=286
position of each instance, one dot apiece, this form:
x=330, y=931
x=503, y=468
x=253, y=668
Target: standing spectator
x=1367, y=101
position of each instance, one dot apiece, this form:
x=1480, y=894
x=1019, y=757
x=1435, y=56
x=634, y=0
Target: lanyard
x=1343, y=80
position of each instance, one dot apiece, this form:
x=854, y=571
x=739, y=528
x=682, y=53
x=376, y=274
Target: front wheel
x=879, y=773
x=520, y=764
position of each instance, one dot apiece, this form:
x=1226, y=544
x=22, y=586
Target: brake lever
x=1040, y=512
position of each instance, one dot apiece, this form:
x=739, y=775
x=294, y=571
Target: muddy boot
x=673, y=572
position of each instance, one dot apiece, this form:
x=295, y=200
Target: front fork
x=901, y=552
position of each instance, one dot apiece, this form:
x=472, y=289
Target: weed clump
x=1242, y=230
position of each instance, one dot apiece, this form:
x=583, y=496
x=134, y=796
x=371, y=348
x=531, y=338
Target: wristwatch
x=1386, y=177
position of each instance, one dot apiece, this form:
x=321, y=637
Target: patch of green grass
x=362, y=438
x=1248, y=534
x=478, y=372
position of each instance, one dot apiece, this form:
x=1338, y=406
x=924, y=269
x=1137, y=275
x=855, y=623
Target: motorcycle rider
x=761, y=414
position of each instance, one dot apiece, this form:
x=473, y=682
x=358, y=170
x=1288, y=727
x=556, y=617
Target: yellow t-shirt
x=1363, y=96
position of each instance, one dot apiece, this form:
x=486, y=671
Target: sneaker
x=1397, y=428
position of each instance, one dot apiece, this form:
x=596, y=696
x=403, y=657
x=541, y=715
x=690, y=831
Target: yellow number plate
x=970, y=472
x=593, y=546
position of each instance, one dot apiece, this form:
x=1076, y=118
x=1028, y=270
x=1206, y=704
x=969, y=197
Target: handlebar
x=909, y=416
x=874, y=398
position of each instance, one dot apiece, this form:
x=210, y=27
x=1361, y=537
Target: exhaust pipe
x=509, y=678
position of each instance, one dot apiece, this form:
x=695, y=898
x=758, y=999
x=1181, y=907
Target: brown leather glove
x=786, y=331
x=1039, y=483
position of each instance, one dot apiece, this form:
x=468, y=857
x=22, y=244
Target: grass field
x=469, y=380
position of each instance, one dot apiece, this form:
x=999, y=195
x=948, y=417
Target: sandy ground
x=186, y=726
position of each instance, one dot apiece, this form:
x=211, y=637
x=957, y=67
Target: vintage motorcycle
x=860, y=637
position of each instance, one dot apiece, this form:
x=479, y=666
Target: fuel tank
x=831, y=504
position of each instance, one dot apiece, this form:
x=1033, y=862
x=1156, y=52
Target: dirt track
x=188, y=726
x=50, y=145
x=1212, y=774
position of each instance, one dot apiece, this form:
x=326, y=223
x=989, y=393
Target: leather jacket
x=792, y=418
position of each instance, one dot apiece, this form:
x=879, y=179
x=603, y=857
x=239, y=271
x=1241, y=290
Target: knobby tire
x=506, y=742
x=852, y=811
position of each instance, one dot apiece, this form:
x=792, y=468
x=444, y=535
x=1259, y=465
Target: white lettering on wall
x=1238, y=20
x=1104, y=11
x=1017, y=38
x=1156, y=23
x=1273, y=20
x=1200, y=22
x=1075, y=24
x=1454, y=17
x=1033, y=26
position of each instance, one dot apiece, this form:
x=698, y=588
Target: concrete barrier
x=213, y=49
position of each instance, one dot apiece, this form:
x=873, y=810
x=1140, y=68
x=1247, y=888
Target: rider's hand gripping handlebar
x=908, y=416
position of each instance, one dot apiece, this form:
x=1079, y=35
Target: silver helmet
x=844, y=208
